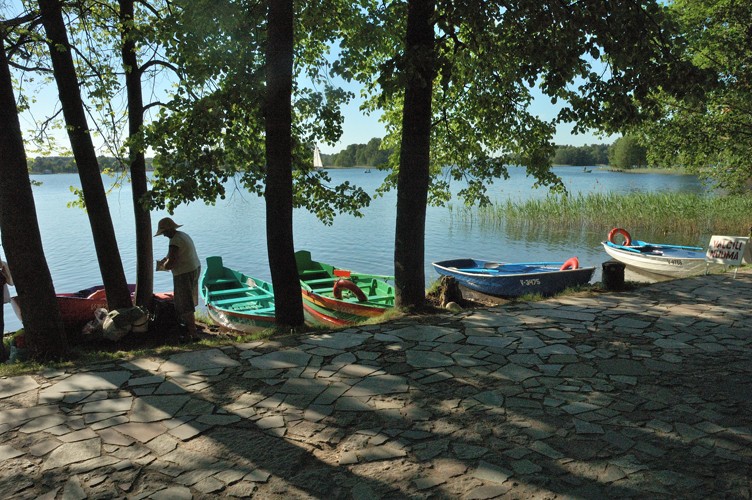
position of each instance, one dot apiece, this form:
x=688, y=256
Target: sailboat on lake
x=317, y=163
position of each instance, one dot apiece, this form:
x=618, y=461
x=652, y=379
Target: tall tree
x=626, y=152
x=278, y=119
x=414, y=175
x=139, y=185
x=105, y=243
x=20, y=230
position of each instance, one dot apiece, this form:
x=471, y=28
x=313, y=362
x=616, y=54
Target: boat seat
x=310, y=272
x=213, y=293
x=318, y=282
x=221, y=281
x=250, y=298
x=380, y=299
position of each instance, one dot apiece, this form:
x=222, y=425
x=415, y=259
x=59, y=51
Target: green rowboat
x=236, y=301
x=337, y=297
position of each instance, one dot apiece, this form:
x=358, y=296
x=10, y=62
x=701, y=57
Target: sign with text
x=727, y=250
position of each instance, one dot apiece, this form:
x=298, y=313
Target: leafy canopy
x=710, y=133
x=600, y=58
x=212, y=130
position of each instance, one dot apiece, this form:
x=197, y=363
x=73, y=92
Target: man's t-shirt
x=9, y=279
x=188, y=259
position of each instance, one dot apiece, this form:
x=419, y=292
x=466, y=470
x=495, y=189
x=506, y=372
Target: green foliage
x=212, y=130
x=596, y=154
x=489, y=56
x=626, y=153
x=360, y=155
x=709, y=133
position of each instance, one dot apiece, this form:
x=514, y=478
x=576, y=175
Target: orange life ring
x=623, y=232
x=572, y=263
x=349, y=285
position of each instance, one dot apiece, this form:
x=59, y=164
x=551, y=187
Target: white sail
x=317, y=164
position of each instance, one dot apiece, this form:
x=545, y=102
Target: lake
x=235, y=229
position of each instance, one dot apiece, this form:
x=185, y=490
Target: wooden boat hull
x=663, y=260
x=513, y=280
x=235, y=301
x=76, y=309
x=321, y=306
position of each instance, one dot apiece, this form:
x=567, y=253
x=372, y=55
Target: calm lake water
x=235, y=229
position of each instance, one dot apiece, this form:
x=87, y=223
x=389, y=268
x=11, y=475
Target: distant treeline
x=596, y=154
x=67, y=165
x=359, y=155
x=369, y=155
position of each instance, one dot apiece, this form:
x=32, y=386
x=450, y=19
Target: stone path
x=645, y=394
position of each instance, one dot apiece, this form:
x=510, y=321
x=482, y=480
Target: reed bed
x=684, y=213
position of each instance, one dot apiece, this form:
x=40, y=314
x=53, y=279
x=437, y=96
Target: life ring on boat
x=348, y=285
x=572, y=263
x=623, y=232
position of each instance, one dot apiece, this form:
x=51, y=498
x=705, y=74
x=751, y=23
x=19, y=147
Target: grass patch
x=683, y=213
x=389, y=315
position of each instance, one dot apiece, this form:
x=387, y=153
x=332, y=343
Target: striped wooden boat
x=337, y=297
x=236, y=301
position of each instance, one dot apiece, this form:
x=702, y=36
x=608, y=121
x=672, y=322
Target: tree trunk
x=139, y=186
x=414, y=175
x=278, y=117
x=95, y=198
x=22, y=241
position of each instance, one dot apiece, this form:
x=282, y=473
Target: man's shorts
x=185, y=291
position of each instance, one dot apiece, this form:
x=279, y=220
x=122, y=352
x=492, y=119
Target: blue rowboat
x=514, y=280
x=236, y=301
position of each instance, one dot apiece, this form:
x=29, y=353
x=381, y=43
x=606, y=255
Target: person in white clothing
x=5, y=280
x=182, y=260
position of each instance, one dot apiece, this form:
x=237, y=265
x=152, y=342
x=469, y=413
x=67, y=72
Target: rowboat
x=514, y=280
x=337, y=297
x=236, y=301
x=77, y=308
x=667, y=260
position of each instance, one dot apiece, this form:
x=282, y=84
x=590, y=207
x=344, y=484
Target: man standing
x=5, y=280
x=183, y=261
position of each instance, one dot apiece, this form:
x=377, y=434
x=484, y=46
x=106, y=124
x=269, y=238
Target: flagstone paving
x=646, y=394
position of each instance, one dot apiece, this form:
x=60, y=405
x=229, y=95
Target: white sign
x=727, y=250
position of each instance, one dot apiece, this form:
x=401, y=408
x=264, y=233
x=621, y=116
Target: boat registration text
x=530, y=282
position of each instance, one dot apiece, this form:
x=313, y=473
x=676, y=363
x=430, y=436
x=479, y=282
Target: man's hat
x=166, y=224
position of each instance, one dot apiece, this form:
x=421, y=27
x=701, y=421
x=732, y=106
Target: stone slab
x=156, y=408
x=290, y=358
x=92, y=381
x=198, y=360
x=17, y=385
x=71, y=453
